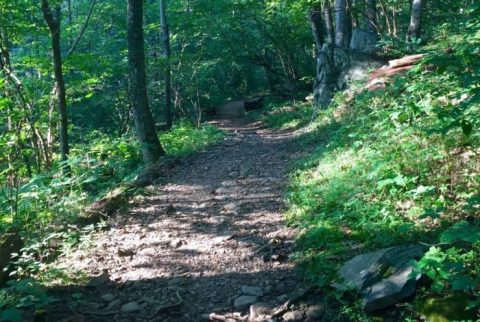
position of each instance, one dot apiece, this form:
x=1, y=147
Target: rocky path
x=210, y=239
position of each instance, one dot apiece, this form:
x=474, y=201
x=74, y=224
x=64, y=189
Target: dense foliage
x=397, y=166
x=388, y=167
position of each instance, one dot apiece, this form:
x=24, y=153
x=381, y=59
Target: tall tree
x=415, y=27
x=166, y=54
x=371, y=16
x=343, y=26
x=52, y=18
x=144, y=125
x=324, y=35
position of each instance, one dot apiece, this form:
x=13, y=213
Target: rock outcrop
x=364, y=41
x=384, y=277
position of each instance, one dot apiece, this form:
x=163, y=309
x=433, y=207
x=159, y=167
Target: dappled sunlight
x=216, y=222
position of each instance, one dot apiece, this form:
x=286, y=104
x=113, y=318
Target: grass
x=184, y=138
x=96, y=168
x=48, y=203
x=393, y=167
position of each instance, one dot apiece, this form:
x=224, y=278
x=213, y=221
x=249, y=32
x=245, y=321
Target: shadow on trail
x=214, y=225
x=151, y=294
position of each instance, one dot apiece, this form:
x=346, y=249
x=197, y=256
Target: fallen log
x=380, y=77
x=405, y=61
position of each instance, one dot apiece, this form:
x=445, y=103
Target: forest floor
x=210, y=238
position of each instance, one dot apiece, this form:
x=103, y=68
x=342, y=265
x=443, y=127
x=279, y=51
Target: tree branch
x=82, y=31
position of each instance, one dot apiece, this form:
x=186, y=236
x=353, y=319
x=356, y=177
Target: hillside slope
x=396, y=166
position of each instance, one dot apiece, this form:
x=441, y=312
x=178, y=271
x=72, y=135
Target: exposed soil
x=213, y=225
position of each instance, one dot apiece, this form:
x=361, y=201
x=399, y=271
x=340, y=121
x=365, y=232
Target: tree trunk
x=325, y=80
x=415, y=28
x=166, y=54
x=316, y=23
x=343, y=26
x=52, y=18
x=144, y=125
x=329, y=27
x=371, y=16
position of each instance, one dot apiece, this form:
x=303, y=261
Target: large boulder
x=9, y=244
x=363, y=41
x=384, y=277
x=232, y=109
x=357, y=71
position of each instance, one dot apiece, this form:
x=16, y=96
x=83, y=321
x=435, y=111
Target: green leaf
x=11, y=315
x=432, y=213
x=384, y=183
x=463, y=283
x=438, y=286
x=461, y=231
x=422, y=190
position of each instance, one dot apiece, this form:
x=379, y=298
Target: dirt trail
x=214, y=226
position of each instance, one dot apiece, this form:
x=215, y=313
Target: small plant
x=22, y=295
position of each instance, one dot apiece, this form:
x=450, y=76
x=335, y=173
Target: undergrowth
x=393, y=167
x=44, y=209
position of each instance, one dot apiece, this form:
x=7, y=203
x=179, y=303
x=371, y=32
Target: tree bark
x=82, y=30
x=324, y=82
x=318, y=35
x=329, y=27
x=371, y=16
x=343, y=26
x=415, y=27
x=52, y=18
x=165, y=35
x=144, y=125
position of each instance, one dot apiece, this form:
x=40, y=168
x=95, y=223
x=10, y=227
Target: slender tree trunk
x=166, y=54
x=316, y=23
x=329, y=27
x=415, y=27
x=343, y=26
x=385, y=14
x=325, y=80
x=144, y=125
x=82, y=30
x=371, y=16
x=52, y=18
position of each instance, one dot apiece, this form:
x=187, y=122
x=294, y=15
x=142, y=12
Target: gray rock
x=244, y=300
x=218, y=220
x=357, y=71
x=293, y=316
x=281, y=287
x=99, y=280
x=390, y=290
x=114, y=304
x=363, y=41
x=367, y=273
x=251, y=290
x=177, y=243
x=131, y=307
x=283, y=298
x=258, y=310
x=315, y=313
x=108, y=297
